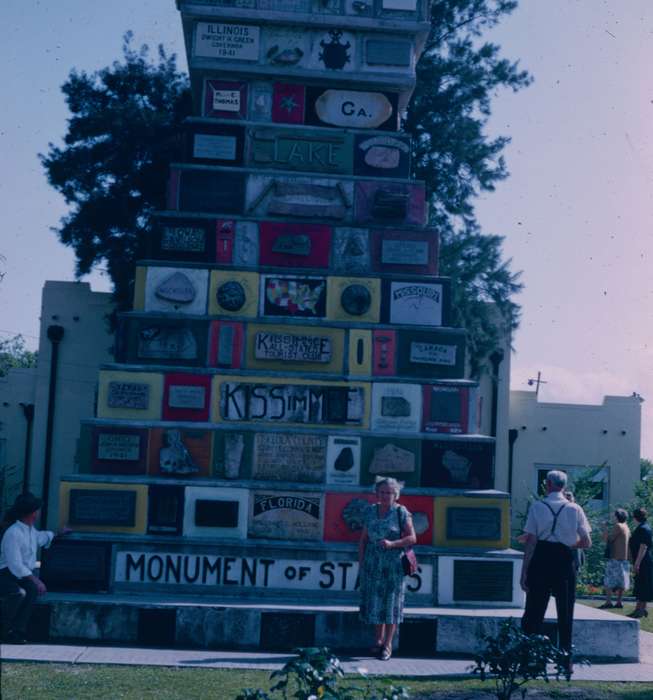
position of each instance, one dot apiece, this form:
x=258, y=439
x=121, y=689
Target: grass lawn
x=29, y=681
x=645, y=623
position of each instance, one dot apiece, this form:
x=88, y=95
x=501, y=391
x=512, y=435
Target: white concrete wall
x=85, y=345
x=17, y=388
x=575, y=435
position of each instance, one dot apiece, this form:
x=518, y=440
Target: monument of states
x=289, y=342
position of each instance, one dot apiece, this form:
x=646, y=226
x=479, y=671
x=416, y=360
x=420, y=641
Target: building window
x=598, y=500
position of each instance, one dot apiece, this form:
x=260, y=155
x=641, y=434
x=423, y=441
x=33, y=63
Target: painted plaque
x=288, y=103
x=458, y=464
x=208, y=191
x=438, y=354
x=476, y=580
x=233, y=293
x=450, y=409
x=382, y=156
x=309, y=404
x=353, y=299
x=416, y=303
x=306, y=150
x=291, y=347
x=292, y=295
x=118, y=450
x=396, y=407
x=225, y=99
x=103, y=507
x=176, y=289
x=469, y=523
x=289, y=457
x=343, y=460
x=351, y=250
x=186, y=397
x=226, y=344
x=232, y=42
x=396, y=457
x=221, y=144
x=285, y=515
x=405, y=251
x=180, y=452
x=351, y=108
x=294, y=245
x=390, y=202
x=182, y=240
x=165, y=511
x=161, y=341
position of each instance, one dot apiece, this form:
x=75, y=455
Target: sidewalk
x=402, y=666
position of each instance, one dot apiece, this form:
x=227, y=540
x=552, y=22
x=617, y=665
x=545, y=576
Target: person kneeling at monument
x=388, y=528
x=19, y=586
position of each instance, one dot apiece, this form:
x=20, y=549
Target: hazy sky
x=576, y=212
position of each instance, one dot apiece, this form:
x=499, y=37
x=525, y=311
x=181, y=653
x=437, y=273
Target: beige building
x=572, y=437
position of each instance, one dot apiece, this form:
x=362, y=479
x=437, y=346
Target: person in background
x=617, y=568
x=19, y=586
x=579, y=554
x=554, y=528
x=641, y=541
x=388, y=528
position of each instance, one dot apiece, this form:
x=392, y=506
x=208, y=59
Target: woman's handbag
x=408, y=557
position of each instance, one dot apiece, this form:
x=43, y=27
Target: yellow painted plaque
x=130, y=395
x=353, y=299
x=233, y=293
x=139, y=288
x=471, y=521
x=360, y=352
x=295, y=348
x=288, y=401
x=103, y=507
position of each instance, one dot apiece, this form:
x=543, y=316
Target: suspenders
x=555, y=517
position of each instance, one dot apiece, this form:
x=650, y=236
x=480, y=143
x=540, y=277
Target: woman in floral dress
x=388, y=529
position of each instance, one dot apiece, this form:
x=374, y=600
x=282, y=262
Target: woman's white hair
x=388, y=481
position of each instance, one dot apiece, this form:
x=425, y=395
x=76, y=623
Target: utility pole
x=537, y=383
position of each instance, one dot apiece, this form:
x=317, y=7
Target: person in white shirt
x=19, y=586
x=554, y=529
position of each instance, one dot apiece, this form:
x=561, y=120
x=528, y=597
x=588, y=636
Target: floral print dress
x=381, y=576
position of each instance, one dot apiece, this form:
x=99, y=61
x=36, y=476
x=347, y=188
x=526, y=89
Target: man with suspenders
x=554, y=529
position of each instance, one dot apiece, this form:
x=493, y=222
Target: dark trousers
x=551, y=573
x=18, y=597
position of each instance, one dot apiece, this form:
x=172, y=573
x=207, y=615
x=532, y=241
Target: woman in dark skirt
x=641, y=542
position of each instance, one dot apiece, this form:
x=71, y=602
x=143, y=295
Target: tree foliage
x=457, y=77
x=14, y=354
x=113, y=167
x=121, y=137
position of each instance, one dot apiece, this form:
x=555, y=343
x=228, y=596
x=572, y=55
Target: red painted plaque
x=384, y=349
x=224, y=241
x=288, y=103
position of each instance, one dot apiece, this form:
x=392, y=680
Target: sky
x=576, y=211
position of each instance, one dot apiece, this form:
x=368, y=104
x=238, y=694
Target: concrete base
x=212, y=623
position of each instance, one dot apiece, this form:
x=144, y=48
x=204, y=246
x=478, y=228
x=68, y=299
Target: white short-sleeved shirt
x=571, y=524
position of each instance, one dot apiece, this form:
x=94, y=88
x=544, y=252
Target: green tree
x=14, y=354
x=457, y=77
x=113, y=166
x=645, y=468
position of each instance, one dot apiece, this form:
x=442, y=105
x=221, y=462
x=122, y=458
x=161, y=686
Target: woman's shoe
x=385, y=654
x=606, y=606
x=376, y=649
x=639, y=613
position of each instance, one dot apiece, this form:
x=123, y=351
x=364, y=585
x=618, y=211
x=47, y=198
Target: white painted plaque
x=396, y=407
x=404, y=252
x=236, y=42
x=214, y=146
x=365, y=110
x=185, y=396
x=433, y=354
x=343, y=460
x=226, y=101
x=416, y=303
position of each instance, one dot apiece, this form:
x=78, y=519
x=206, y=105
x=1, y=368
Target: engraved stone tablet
x=177, y=289
x=104, y=507
x=475, y=580
x=404, y=252
x=386, y=52
x=390, y=458
x=292, y=245
x=356, y=299
x=166, y=343
x=287, y=457
x=231, y=296
x=216, y=513
x=189, y=239
x=343, y=460
x=296, y=348
x=235, y=42
x=214, y=147
x=395, y=406
x=473, y=523
x=118, y=448
x=186, y=396
x=433, y=354
x=128, y=395
x=234, y=446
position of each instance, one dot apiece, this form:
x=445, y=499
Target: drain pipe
x=28, y=412
x=496, y=358
x=513, y=434
x=55, y=335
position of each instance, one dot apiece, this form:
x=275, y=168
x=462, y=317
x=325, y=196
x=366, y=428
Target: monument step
x=182, y=621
